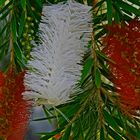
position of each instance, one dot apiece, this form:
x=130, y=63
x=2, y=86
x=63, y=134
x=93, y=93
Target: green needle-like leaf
x=97, y=78
x=109, y=11
x=23, y=4
x=22, y=23
x=128, y=7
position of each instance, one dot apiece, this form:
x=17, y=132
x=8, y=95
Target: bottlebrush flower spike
x=123, y=47
x=64, y=31
x=14, y=111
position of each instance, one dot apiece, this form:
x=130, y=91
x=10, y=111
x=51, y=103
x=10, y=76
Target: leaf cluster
x=14, y=17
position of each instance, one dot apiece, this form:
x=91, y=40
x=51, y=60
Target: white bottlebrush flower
x=65, y=30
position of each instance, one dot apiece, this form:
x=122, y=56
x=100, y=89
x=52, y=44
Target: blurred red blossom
x=57, y=136
x=14, y=110
x=122, y=45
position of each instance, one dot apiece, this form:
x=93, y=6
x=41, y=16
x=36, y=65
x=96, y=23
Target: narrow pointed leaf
x=22, y=23
x=23, y=4
x=129, y=8
x=109, y=119
x=109, y=11
x=137, y=2
x=97, y=78
x=87, y=67
x=14, y=28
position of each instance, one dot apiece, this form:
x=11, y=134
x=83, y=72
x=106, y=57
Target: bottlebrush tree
x=81, y=63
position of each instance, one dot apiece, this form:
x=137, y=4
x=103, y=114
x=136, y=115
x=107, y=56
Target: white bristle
x=65, y=30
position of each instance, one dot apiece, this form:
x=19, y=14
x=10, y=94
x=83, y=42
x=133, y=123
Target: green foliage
x=14, y=17
x=93, y=113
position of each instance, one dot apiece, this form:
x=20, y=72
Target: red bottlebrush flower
x=129, y=98
x=14, y=110
x=122, y=45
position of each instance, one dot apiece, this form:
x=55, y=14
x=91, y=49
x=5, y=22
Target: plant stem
x=11, y=49
x=11, y=45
